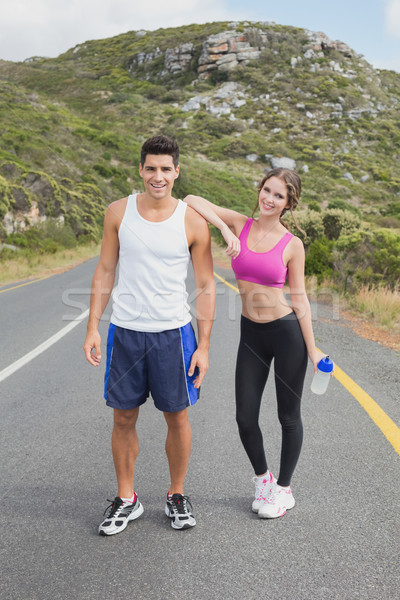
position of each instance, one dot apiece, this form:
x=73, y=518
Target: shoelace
x=274, y=495
x=180, y=504
x=114, y=507
x=260, y=487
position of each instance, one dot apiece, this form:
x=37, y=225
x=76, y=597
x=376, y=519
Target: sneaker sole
x=134, y=515
x=264, y=516
x=185, y=526
x=256, y=508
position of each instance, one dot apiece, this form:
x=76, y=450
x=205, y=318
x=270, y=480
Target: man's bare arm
x=200, y=248
x=102, y=283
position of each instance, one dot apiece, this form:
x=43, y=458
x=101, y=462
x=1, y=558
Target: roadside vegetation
x=27, y=264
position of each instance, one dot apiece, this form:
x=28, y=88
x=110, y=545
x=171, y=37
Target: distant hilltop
x=226, y=50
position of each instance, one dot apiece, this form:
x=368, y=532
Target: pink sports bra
x=265, y=268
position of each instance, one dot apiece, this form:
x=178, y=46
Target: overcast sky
x=50, y=27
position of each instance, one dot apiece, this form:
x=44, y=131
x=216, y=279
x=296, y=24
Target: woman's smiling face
x=273, y=197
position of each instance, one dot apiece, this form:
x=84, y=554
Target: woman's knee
x=290, y=421
x=246, y=423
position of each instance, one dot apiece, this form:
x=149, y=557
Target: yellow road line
x=225, y=282
x=379, y=417
x=375, y=412
x=26, y=283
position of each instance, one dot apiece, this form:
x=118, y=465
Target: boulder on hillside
x=282, y=162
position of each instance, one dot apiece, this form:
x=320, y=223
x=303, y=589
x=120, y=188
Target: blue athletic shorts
x=141, y=363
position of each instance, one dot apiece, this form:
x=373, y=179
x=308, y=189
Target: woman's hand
x=233, y=243
x=315, y=357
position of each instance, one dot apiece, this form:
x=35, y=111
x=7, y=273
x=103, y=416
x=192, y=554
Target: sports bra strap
x=244, y=234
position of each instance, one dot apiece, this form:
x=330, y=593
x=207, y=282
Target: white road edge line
x=21, y=362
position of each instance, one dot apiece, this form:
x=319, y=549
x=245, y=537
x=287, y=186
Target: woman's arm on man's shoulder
x=228, y=221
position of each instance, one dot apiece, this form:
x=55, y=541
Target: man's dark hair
x=160, y=144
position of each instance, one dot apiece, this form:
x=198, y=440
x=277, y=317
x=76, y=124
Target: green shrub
x=313, y=205
x=310, y=221
x=104, y=170
x=381, y=174
x=49, y=246
x=120, y=182
x=46, y=237
x=319, y=259
x=17, y=239
x=6, y=254
x=109, y=140
x=387, y=255
x=368, y=258
x=337, y=222
x=61, y=233
x=392, y=209
x=218, y=77
x=343, y=205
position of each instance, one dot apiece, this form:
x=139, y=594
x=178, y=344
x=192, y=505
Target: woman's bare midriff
x=261, y=303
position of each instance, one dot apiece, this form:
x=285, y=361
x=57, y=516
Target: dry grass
x=372, y=313
x=381, y=305
x=22, y=267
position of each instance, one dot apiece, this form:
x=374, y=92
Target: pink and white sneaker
x=264, y=486
x=279, y=501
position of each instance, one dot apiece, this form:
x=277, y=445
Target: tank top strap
x=177, y=219
x=131, y=214
x=131, y=206
x=180, y=210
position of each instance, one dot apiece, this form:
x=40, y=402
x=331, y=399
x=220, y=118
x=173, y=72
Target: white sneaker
x=280, y=500
x=120, y=512
x=179, y=510
x=264, y=485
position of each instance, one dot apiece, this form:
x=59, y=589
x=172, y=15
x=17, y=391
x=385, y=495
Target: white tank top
x=153, y=262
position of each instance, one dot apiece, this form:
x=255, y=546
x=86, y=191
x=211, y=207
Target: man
x=151, y=346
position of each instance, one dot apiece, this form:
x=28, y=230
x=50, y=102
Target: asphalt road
x=341, y=541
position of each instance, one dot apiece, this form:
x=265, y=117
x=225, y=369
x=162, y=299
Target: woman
x=264, y=253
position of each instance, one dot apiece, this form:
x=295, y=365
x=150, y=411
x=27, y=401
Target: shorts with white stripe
x=141, y=363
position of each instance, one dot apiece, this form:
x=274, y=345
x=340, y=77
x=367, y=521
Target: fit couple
x=151, y=346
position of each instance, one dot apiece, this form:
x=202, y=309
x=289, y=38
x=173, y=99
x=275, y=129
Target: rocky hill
x=239, y=97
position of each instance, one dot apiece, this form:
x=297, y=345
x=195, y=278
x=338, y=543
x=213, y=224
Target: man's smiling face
x=158, y=173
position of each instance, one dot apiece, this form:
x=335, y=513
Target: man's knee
x=177, y=420
x=125, y=418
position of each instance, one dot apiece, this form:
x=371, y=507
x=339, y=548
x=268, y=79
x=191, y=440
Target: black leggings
x=259, y=344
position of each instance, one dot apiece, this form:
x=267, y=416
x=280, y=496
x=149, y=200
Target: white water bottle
x=322, y=376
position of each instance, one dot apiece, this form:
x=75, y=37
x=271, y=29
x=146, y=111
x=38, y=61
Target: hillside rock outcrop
x=178, y=59
x=226, y=50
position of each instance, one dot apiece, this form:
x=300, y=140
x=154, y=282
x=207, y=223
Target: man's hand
x=93, y=342
x=199, y=360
